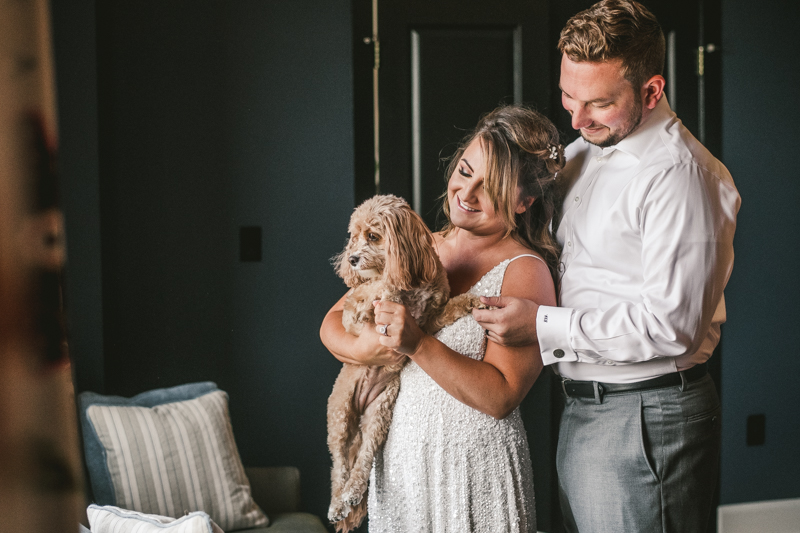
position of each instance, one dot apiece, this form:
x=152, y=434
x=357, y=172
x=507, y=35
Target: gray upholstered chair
x=277, y=491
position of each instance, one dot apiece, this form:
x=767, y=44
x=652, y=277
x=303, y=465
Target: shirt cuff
x=552, y=329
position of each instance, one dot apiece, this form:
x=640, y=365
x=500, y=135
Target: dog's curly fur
x=389, y=256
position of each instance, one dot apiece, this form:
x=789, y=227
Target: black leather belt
x=596, y=389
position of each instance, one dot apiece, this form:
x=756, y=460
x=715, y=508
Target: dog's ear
x=343, y=268
x=410, y=258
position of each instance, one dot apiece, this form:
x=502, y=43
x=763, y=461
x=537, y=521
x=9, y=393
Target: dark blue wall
x=761, y=76
x=181, y=122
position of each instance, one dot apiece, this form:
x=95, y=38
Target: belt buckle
x=599, y=391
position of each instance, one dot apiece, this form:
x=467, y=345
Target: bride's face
x=470, y=207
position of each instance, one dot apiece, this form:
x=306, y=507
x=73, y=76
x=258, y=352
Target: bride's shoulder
x=528, y=276
x=519, y=253
x=527, y=263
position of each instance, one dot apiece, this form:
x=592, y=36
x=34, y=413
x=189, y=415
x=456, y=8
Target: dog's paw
x=353, y=497
x=338, y=511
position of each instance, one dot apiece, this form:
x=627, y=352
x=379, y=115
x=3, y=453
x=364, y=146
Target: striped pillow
x=111, y=519
x=174, y=458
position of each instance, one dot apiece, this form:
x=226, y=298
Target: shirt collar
x=637, y=143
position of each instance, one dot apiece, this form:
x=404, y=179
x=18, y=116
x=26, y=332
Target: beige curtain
x=40, y=473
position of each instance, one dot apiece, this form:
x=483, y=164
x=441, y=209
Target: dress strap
x=529, y=255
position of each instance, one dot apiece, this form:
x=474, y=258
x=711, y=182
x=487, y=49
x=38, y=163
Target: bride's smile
x=466, y=208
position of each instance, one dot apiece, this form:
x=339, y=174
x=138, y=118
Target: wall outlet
x=250, y=243
x=756, y=429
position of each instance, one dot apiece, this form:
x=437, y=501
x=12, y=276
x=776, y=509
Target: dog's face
x=364, y=257
x=387, y=239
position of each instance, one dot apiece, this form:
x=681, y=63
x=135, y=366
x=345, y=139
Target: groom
x=646, y=229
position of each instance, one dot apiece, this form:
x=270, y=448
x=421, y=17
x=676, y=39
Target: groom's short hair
x=616, y=29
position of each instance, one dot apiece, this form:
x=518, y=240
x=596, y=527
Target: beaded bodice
x=447, y=467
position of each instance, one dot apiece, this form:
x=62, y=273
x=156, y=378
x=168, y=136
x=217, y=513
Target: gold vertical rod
x=376, y=117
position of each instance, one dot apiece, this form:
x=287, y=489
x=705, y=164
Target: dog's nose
x=353, y=260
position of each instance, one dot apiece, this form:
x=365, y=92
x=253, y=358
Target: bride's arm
x=496, y=385
x=362, y=350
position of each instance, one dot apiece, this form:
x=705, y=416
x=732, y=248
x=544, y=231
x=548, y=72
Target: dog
x=390, y=256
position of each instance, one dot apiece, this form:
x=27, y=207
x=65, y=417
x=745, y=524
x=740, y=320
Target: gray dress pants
x=640, y=461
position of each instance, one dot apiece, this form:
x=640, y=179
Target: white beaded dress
x=446, y=467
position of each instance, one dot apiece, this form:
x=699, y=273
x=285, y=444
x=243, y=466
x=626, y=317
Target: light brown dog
x=390, y=256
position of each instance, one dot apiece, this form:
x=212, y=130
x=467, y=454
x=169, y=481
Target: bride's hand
x=402, y=334
x=371, y=350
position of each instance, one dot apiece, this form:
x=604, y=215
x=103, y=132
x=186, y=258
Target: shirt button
x=569, y=243
x=599, y=159
x=577, y=198
x=558, y=353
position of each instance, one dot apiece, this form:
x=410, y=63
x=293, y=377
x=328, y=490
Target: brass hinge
x=376, y=51
x=701, y=57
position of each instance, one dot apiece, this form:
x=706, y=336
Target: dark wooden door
x=442, y=65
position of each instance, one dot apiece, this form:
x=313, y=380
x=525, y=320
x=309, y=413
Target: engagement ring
x=382, y=329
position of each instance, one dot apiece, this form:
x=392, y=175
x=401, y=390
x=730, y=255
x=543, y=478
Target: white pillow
x=110, y=519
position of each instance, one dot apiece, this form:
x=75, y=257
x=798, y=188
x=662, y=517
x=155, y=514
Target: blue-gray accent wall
x=760, y=365
x=180, y=123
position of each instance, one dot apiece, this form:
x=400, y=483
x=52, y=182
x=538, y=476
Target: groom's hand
x=513, y=323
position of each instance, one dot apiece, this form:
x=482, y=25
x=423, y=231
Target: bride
x=456, y=458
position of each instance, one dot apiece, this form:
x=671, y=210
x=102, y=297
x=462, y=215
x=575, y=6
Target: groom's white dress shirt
x=647, y=236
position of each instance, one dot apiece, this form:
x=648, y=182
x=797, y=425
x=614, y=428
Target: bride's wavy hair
x=523, y=156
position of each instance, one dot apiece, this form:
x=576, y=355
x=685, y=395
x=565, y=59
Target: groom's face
x=604, y=106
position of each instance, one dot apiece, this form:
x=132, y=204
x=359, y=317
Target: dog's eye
x=373, y=237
